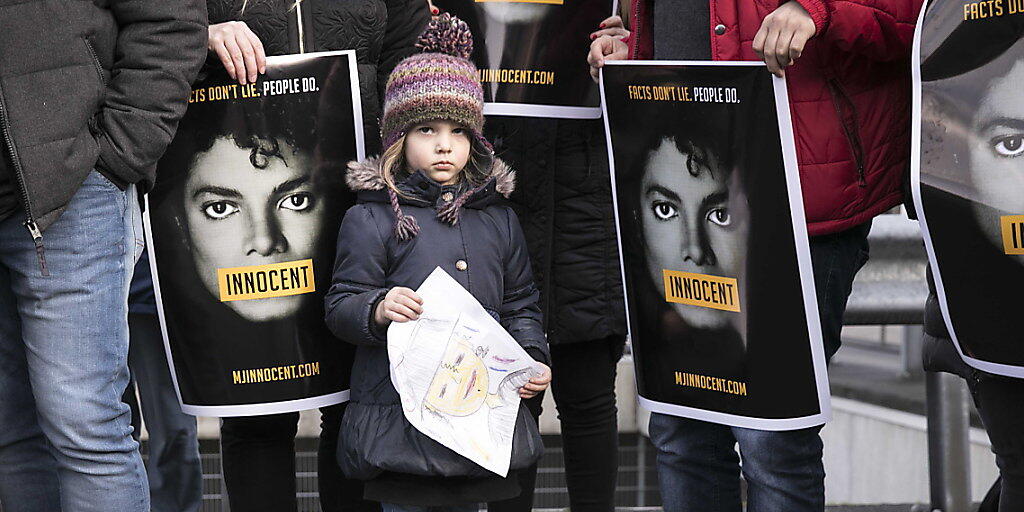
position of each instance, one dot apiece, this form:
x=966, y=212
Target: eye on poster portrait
x=243, y=221
x=720, y=296
x=967, y=165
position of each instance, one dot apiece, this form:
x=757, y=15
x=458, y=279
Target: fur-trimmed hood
x=366, y=179
x=366, y=176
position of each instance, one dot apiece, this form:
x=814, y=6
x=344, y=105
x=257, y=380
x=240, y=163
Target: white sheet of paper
x=458, y=373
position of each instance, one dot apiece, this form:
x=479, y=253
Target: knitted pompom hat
x=438, y=84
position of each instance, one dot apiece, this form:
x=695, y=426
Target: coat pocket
x=847, y=113
x=95, y=61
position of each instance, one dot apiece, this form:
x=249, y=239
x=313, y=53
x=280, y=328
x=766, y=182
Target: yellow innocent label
x=701, y=290
x=265, y=281
x=553, y=2
x=1013, y=233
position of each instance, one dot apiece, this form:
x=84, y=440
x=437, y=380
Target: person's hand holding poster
x=968, y=172
x=243, y=220
x=529, y=53
x=720, y=295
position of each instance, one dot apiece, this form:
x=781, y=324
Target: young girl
x=430, y=200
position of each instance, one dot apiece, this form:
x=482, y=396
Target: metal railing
x=891, y=290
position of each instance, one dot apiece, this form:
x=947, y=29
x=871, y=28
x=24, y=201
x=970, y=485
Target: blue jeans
x=65, y=434
x=699, y=470
x=393, y=507
x=698, y=467
x=174, y=468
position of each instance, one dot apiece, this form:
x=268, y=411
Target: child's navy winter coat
x=484, y=251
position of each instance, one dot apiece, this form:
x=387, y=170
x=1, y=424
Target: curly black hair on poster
x=718, y=298
x=244, y=217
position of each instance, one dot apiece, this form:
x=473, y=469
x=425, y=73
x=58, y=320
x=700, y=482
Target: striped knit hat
x=438, y=84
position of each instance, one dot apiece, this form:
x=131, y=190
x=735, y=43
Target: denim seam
x=138, y=228
x=129, y=242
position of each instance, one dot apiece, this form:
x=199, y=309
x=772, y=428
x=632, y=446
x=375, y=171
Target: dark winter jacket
x=86, y=84
x=563, y=198
x=849, y=95
x=484, y=251
x=938, y=352
x=382, y=32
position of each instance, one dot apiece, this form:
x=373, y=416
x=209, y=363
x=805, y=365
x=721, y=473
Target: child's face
x=438, y=148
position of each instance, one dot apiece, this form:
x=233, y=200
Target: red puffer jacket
x=849, y=96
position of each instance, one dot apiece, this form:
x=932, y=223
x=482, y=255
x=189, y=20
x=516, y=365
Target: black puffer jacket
x=938, y=352
x=86, y=84
x=484, y=251
x=382, y=32
x=565, y=204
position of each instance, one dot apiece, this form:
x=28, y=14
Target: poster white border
x=802, y=246
x=915, y=187
x=534, y=110
x=258, y=409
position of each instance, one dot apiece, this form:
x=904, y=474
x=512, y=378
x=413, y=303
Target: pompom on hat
x=440, y=83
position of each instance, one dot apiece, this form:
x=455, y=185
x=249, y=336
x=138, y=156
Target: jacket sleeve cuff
x=374, y=331
x=538, y=355
x=109, y=159
x=819, y=13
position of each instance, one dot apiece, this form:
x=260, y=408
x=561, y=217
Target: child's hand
x=399, y=305
x=536, y=384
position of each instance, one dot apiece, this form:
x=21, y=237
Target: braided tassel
x=450, y=212
x=406, y=226
x=485, y=143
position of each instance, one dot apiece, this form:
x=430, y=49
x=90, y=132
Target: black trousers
x=527, y=476
x=998, y=400
x=259, y=464
x=583, y=384
x=587, y=412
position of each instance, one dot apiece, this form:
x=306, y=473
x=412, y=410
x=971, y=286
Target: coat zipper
x=634, y=37
x=848, y=120
x=30, y=223
x=96, y=61
x=298, y=17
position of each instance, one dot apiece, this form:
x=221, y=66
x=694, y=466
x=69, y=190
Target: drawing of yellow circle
x=460, y=385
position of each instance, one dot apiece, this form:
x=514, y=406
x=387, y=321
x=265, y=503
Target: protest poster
x=531, y=54
x=967, y=166
x=243, y=220
x=716, y=265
